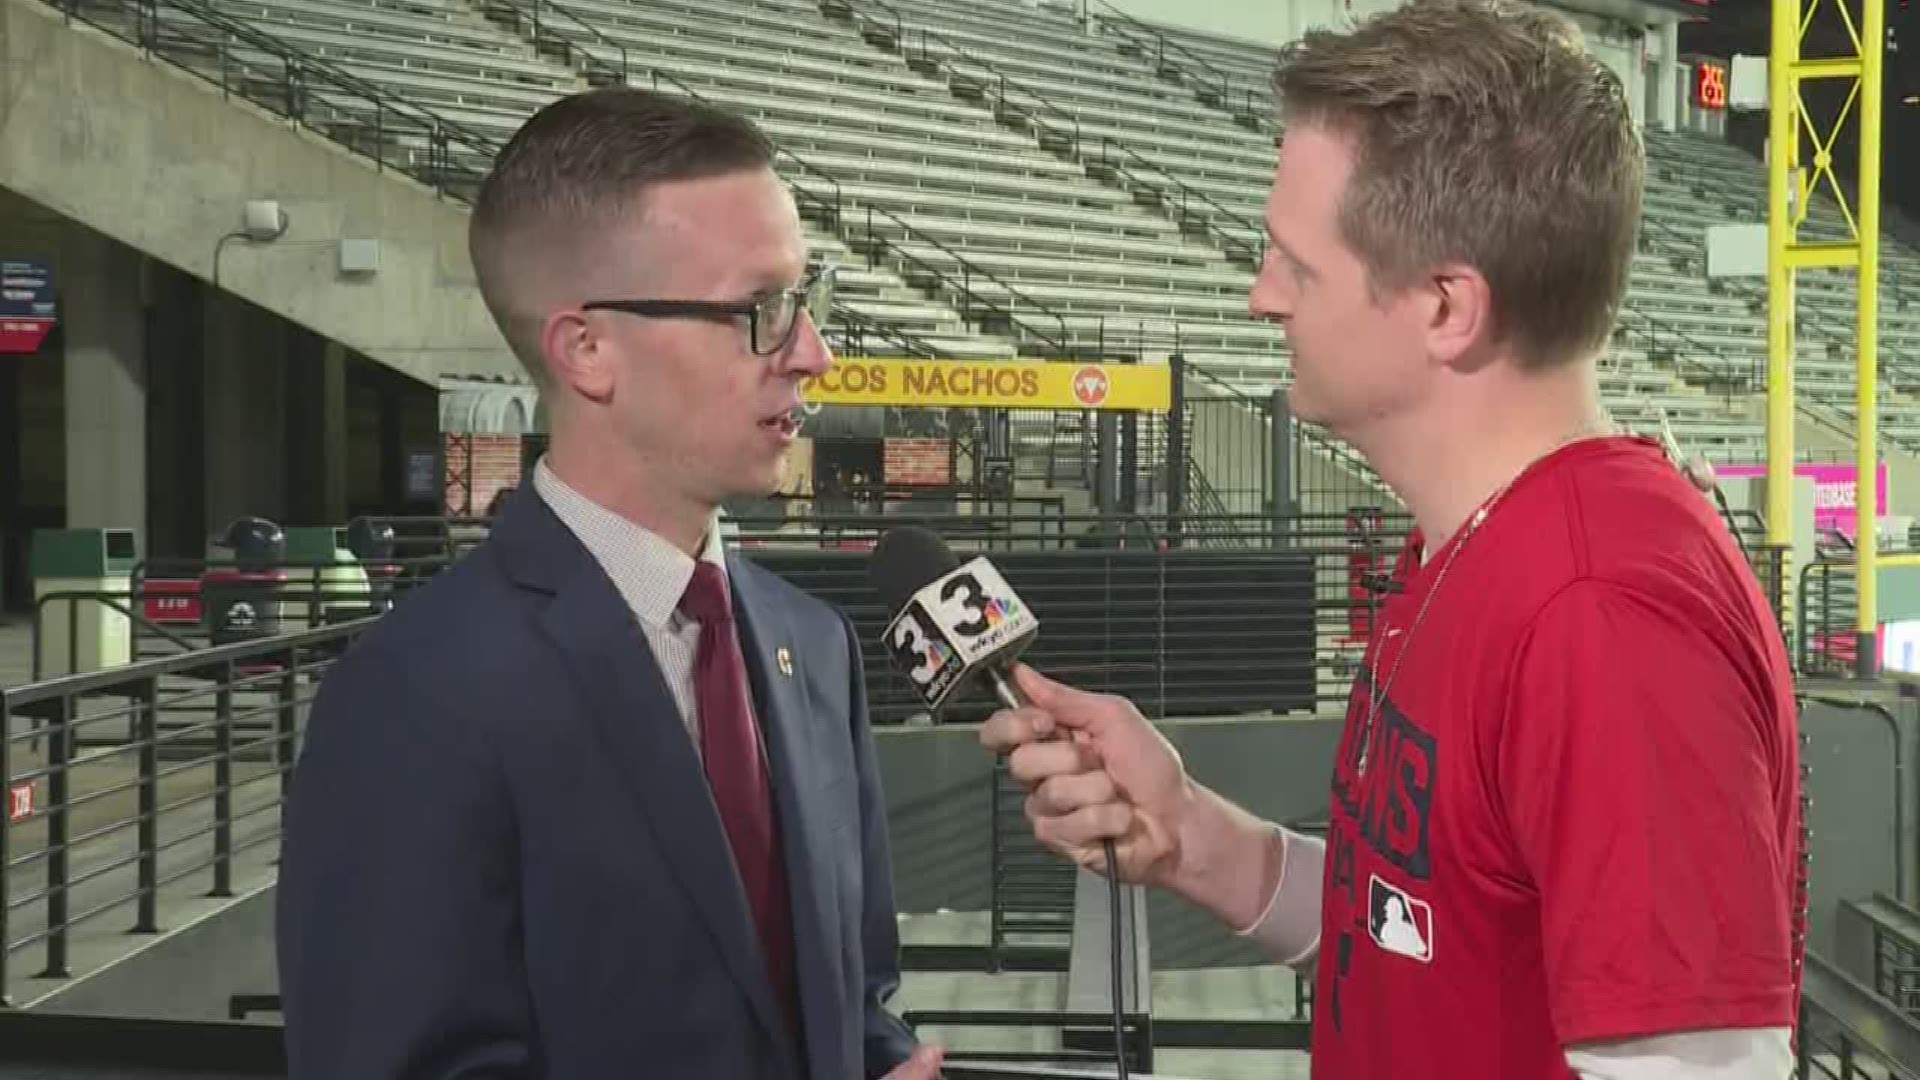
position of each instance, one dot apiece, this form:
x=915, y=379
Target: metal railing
x=189, y=759
x=601, y=59
x=1184, y=629
x=1896, y=958
x=1230, y=449
x=1847, y=1032
x=854, y=333
x=1170, y=58
x=1057, y=128
x=877, y=246
x=1184, y=202
x=315, y=94
x=447, y=156
x=1030, y=892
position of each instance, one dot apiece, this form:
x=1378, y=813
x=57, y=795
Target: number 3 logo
x=910, y=644
x=970, y=601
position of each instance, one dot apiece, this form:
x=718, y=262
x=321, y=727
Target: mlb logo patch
x=1398, y=922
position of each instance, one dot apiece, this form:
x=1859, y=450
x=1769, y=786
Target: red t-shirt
x=1579, y=817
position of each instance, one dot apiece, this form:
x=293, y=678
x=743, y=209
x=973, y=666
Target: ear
x=1459, y=316
x=577, y=355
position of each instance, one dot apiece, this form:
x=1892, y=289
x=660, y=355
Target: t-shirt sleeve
x=1638, y=762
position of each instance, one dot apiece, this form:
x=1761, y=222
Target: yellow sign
x=994, y=384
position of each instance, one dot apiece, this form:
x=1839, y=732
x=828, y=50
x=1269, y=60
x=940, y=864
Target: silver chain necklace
x=1377, y=693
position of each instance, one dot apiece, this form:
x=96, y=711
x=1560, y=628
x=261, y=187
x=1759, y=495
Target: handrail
x=959, y=53
x=1162, y=42
x=73, y=599
x=1069, y=130
x=1835, y=1004
x=300, y=70
x=1729, y=371
x=621, y=72
x=1816, y=318
x=203, y=691
x=861, y=324
x=1226, y=239
x=968, y=270
x=836, y=206
x=1341, y=453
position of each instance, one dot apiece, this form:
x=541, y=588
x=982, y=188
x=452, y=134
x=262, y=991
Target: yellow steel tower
x=1788, y=193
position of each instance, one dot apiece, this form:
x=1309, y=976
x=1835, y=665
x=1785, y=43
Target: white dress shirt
x=650, y=574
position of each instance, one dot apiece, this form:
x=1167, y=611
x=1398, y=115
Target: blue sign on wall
x=26, y=305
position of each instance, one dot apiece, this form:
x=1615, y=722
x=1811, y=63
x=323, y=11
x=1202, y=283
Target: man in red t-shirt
x=1565, y=818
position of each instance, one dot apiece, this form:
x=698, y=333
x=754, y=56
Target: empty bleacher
x=997, y=177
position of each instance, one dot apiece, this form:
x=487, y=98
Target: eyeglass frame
x=816, y=274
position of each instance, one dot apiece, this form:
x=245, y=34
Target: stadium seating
x=1096, y=184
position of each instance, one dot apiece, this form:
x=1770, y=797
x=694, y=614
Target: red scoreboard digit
x=1709, y=85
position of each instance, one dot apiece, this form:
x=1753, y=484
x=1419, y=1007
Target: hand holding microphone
x=1112, y=776
x=1109, y=775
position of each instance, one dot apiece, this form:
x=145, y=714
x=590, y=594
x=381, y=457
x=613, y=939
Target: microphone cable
x=1114, y=940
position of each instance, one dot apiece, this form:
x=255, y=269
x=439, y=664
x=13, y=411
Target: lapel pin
x=783, y=657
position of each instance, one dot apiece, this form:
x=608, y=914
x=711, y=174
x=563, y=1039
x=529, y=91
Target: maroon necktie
x=737, y=773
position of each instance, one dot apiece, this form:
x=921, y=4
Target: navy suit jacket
x=502, y=859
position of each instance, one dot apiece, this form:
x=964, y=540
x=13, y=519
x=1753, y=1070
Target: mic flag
x=951, y=619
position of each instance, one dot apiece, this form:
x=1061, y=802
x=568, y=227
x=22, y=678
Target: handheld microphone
x=953, y=620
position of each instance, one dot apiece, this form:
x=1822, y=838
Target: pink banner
x=1833, y=490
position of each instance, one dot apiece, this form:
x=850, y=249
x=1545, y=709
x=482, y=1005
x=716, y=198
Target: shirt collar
x=650, y=573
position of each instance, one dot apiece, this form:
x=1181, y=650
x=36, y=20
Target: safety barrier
x=125, y=783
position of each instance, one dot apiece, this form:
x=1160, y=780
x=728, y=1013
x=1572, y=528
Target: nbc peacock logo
x=935, y=652
x=1000, y=610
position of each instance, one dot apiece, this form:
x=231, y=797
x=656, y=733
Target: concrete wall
x=85, y=119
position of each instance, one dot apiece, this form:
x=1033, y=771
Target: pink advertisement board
x=1833, y=490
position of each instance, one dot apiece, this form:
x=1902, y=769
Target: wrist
x=1230, y=861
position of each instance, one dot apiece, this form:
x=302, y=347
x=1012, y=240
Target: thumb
x=1068, y=706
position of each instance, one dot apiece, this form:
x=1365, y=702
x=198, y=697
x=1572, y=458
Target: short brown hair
x=1484, y=133
x=573, y=169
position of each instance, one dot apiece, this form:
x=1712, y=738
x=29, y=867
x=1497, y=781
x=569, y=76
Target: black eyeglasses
x=770, y=319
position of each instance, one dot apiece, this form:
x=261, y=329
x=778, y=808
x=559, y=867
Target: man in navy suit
x=601, y=801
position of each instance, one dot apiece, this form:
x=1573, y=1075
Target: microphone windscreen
x=905, y=561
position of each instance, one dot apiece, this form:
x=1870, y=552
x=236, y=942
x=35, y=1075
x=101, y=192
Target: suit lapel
x=788, y=722
x=636, y=717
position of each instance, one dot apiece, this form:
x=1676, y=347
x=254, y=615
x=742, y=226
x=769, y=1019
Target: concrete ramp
x=156, y=157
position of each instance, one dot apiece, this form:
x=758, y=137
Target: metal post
x=6, y=843
x=1130, y=462
x=1176, y=463
x=147, y=831
x=1279, y=483
x=1106, y=461
x=1783, y=140
x=59, y=757
x=1866, y=491
x=223, y=784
